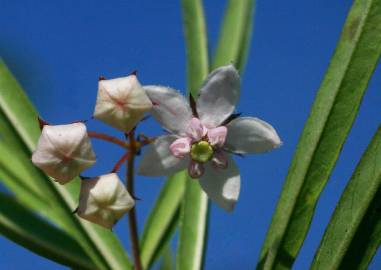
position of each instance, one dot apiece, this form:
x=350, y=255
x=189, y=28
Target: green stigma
x=201, y=151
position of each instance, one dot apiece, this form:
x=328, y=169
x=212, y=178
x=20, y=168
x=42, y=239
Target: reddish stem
x=133, y=226
x=120, y=162
x=107, y=138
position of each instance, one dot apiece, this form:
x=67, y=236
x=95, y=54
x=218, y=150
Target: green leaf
x=161, y=222
x=102, y=245
x=235, y=35
x=20, y=225
x=354, y=231
x=331, y=118
x=194, y=212
x=167, y=259
x=196, y=44
x=193, y=221
x=18, y=177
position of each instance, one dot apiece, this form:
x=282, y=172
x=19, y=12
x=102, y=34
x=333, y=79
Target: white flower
x=121, y=102
x=104, y=200
x=203, y=143
x=64, y=151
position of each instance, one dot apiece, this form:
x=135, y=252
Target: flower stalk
x=132, y=222
x=107, y=138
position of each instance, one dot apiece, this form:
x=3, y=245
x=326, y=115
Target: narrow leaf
x=354, y=231
x=167, y=259
x=235, y=35
x=193, y=220
x=102, y=245
x=196, y=44
x=331, y=118
x=17, y=176
x=158, y=226
x=20, y=225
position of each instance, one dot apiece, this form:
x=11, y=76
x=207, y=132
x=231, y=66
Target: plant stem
x=119, y=163
x=132, y=214
x=137, y=144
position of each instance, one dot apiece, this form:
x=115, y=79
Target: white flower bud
x=64, y=151
x=121, y=102
x=104, y=200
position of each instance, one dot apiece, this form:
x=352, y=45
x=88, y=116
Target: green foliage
x=235, y=34
x=22, y=226
x=163, y=218
x=193, y=222
x=354, y=232
x=196, y=44
x=167, y=260
x=332, y=115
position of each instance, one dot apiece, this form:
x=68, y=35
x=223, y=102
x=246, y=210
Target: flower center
x=201, y=151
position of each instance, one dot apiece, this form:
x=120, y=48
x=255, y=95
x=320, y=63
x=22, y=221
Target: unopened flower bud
x=64, y=151
x=104, y=200
x=121, y=102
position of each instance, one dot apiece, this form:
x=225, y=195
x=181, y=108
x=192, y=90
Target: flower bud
x=64, y=151
x=104, y=200
x=121, y=102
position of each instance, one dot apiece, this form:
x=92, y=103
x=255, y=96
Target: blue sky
x=57, y=50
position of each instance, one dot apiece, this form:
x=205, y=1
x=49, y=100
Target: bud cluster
x=65, y=151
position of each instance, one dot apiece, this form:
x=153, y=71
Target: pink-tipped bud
x=104, y=200
x=121, y=102
x=64, y=151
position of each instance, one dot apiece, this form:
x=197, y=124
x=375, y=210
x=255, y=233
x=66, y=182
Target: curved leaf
x=354, y=232
x=20, y=225
x=331, y=118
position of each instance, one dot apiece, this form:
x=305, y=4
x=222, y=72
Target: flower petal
x=222, y=185
x=196, y=129
x=248, y=135
x=158, y=160
x=218, y=96
x=181, y=147
x=217, y=136
x=170, y=108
